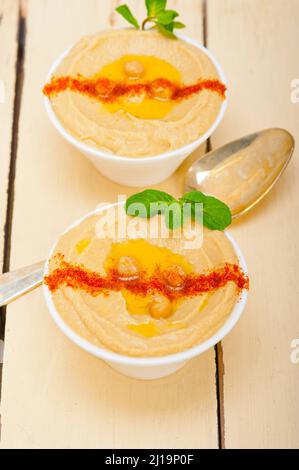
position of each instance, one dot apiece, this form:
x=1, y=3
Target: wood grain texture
x=257, y=44
x=8, y=55
x=55, y=395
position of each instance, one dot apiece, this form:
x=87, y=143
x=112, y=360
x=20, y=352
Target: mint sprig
x=208, y=210
x=158, y=17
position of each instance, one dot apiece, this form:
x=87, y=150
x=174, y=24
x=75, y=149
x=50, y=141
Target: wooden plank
x=256, y=42
x=55, y=395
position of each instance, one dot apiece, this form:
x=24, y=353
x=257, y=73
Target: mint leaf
x=216, y=214
x=126, y=13
x=148, y=203
x=155, y=6
x=151, y=202
x=167, y=30
x=178, y=25
x=167, y=16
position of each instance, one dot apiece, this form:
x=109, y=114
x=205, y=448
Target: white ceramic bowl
x=155, y=367
x=143, y=171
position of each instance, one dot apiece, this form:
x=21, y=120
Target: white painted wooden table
x=245, y=392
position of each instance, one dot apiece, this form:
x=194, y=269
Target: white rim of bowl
x=110, y=156
x=117, y=358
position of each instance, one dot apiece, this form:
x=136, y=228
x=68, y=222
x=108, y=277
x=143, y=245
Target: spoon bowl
x=242, y=172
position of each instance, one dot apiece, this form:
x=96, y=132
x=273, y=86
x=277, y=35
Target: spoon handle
x=16, y=283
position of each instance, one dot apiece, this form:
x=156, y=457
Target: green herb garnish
x=216, y=214
x=209, y=210
x=125, y=11
x=157, y=16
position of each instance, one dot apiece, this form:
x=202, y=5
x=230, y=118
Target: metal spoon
x=240, y=173
x=17, y=283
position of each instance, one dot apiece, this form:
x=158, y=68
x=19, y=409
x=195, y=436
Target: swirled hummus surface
x=117, y=128
x=119, y=320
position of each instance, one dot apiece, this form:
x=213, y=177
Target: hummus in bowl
x=138, y=124
x=115, y=311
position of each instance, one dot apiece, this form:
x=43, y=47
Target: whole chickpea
x=161, y=90
x=174, y=276
x=160, y=307
x=104, y=87
x=127, y=268
x=134, y=69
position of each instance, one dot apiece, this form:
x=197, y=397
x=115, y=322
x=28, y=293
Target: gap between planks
x=219, y=376
x=21, y=41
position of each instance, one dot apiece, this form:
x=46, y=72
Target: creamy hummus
x=121, y=132
x=109, y=320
